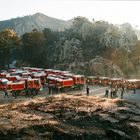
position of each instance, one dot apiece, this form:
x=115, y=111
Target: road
x=100, y=91
x=94, y=91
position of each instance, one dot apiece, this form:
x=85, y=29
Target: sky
x=116, y=12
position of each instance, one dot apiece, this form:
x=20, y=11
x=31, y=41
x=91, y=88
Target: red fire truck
x=65, y=82
x=34, y=84
x=40, y=75
x=16, y=86
x=104, y=81
x=4, y=74
x=60, y=82
x=116, y=82
x=132, y=83
x=13, y=78
x=79, y=81
x=92, y=80
x=3, y=83
x=19, y=86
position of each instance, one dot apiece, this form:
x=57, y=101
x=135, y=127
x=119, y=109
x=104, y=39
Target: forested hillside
x=90, y=48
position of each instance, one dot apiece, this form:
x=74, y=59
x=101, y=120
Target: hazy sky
x=116, y=12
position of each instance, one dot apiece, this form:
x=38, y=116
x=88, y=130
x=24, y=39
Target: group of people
x=113, y=92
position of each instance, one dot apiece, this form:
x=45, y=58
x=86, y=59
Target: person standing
x=87, y=89
x=15, y=94
x=6, y=93
x=122, y=92
x=111, y=93
x=106, y=93
x=134, y=90
x=26, y=89
x=50, y=89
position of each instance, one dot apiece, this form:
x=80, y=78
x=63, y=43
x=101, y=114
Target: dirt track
x=94, y=91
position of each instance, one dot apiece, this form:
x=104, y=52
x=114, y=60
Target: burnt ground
x=70, y=117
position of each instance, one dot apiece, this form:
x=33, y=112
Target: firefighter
x=134, y=89
x=111, y=93
x=106, y=93
x=50, y=89
x=114, y=93
x=5, y=93
x=26, y=89
x=87, y=89
x=36, y=91
x=36, y=88
x=122, y=92
x=15, y=94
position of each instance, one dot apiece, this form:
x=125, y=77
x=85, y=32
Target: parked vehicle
x=20, y=86
x=132, y=83
x=3, y=83
x=64, y=82
x=40, y=75
x=116, y=82
x=13, y=78
x=104, y=81
x=92, y=80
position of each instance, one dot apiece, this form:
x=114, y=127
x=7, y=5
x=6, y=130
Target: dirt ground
x=69, y=117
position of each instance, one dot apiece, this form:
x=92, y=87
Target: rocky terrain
x=70, y=117
x=96, y=66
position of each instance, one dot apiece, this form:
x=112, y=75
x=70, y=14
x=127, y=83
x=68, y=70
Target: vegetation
x=9, y=41
x=75, y=47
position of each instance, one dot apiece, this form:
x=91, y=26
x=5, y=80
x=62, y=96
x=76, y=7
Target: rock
x=104, y=67
x=98, y=65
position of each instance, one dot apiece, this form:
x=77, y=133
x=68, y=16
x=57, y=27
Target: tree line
x=82, y=42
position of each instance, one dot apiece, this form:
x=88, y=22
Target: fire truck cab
x=39, y=75
x=3, y=83
x=79, y=81
x=34, y=84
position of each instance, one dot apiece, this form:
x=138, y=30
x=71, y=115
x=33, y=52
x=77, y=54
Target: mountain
x=38, y=21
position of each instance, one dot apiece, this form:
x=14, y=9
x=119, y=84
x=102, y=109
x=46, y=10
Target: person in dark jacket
x=122, y=92
x=111, y=93
x=106, y=93
x=5, y=93
x=26, y=89
x=50, y=89
x=87, y=89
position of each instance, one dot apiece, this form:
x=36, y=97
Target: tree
x=50, y=36
x=135, y=56
x=9, y=40
x=33, y=43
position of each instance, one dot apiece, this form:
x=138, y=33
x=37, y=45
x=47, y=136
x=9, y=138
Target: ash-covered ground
x=68, y=117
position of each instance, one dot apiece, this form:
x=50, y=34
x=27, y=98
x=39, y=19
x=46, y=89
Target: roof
x=3, y=80
x=133, y=80
x=78, y=76
x=103, y=77
x=116, y=78
x=19, y=82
